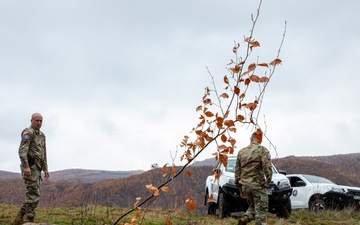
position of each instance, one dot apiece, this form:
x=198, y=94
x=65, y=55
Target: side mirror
x=300, y=183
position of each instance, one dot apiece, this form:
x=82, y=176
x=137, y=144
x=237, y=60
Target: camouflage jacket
x=253, y=166
x=32, y=150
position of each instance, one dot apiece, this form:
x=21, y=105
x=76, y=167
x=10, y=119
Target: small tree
x=223, y=111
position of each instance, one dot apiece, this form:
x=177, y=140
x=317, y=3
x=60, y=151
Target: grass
x=100, y=215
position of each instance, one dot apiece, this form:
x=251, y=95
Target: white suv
x=226, y=196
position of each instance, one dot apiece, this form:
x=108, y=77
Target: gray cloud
x=118, y=82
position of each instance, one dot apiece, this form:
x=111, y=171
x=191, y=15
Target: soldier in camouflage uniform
x=253, y=174
x=32, y=153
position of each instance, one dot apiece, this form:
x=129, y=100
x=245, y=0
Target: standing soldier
x=253, y=173
x=32, y=153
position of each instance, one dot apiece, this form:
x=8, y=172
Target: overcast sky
x=118, y=82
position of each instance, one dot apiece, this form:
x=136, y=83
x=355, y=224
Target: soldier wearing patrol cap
x=253, y=174
x=32, y=153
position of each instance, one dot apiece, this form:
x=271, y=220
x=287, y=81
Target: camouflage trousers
x=32, y=195
x=258, y=201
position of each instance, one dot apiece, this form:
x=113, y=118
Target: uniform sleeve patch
x=26, y=135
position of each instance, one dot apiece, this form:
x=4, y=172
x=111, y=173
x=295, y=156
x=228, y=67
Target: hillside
x=115, y=192
x=79, y=175
x=341, y=169
x=66, y=190
x=6, y=174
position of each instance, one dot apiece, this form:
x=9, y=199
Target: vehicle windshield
x=232, y=162
x=316, y=179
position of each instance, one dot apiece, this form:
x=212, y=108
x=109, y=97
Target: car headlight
x=232, y=181
x=284, y=184
x=338, y=189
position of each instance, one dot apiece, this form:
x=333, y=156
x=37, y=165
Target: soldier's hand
x=47, y=175
x=27, y=172
x=242, y=194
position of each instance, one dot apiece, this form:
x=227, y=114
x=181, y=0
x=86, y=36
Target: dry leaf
x=226, y=80
x=191, y=204
x=275, y=62
x=165, y=189
x=153, y=189
x=209, y=114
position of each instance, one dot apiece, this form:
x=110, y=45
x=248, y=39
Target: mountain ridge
x=122, y=192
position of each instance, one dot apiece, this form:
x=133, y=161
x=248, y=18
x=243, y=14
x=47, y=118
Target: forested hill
x=122, y=192
x=79, y=175
x=342, y=169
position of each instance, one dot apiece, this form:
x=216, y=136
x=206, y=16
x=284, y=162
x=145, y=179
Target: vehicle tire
x=223, y=206
x=317, y=205
x=284, y=210
x=210, y=206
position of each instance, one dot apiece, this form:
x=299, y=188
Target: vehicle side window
x=296, y=182
x=230, y=166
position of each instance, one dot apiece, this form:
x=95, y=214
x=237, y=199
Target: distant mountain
x=206, y=162
x=79, y=175
x=73, y=188
x=341, y=169
x=6, y=174
x=73, y=175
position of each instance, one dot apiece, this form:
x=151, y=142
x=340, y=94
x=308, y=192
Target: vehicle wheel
x=317, y=205
x=223, y=206
x=210, y=206
x=284, y=210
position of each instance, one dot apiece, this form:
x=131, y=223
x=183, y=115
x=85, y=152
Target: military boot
x=244, y=220
x=19, y=218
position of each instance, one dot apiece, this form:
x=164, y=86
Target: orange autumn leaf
x=236, y=90
x=254, y=78
x=254, y=44
x=232, y=141
x=259, y=135
x=189, y=173
x=207, y=101
x=137, y=202
x=223, y=158
x=137, y=216
x=173, y=170
x=275, y=62
x=224, y=95
x=251, y=106
x=247, y=81
x=263, y=64
x=210, y=198
x=219, y=122
x=209, y=114
x=165, y=170
x=251, y=67
x=223, y=138
x=153, y=189
x=165, y=189
x=240, y=118
x=168, y=221
x=264, y=79
x=236, y=69
x=198, y=108
x=232, y=129
x=226, y=80
x=191, y=204
x=229, y=123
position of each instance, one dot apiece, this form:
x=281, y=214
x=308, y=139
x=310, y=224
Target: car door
x=214, y=189
x=300, y=192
